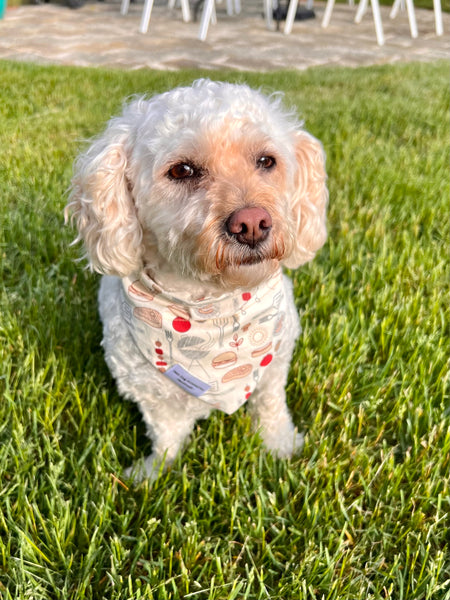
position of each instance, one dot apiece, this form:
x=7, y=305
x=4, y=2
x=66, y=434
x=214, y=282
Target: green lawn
x=364, y=512
x=445, y=4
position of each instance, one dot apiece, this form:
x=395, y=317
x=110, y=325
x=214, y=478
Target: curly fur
x=132, y=216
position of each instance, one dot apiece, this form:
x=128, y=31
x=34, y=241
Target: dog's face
x=214, y=182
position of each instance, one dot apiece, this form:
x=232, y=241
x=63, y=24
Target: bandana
x=216, y=349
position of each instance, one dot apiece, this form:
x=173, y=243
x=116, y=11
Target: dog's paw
x=148, y=469
x=284, y=444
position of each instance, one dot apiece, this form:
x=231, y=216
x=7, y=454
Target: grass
x=364, y=512
x=428, y=4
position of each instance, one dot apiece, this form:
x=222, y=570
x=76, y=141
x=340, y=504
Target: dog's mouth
x=231, y=252
x=240, y=254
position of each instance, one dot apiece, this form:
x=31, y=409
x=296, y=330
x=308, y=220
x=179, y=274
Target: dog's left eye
x=182, y=171
x=266, y=162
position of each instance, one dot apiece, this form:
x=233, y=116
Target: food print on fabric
x=213, y=348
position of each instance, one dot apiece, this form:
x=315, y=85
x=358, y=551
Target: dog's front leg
x=270, y=414
x=167, y=443
x=170, y=420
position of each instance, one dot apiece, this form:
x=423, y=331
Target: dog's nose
x=249, y=225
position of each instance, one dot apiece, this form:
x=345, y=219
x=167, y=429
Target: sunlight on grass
x=364, y=512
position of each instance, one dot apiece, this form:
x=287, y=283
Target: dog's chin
x=248, y=274
x=242, y=255
x=250, y=260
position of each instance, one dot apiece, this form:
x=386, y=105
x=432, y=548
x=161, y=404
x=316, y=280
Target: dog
x=189, y=204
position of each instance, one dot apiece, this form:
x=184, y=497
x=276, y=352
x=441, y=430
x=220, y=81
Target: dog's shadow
x=51, y=319
x=79, y=335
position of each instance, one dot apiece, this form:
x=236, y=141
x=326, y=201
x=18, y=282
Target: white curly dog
x=190, y=203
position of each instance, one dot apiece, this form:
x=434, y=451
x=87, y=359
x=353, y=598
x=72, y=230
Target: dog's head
x=215, y=182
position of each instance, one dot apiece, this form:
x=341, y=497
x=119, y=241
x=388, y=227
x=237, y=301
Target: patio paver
x=97, y=35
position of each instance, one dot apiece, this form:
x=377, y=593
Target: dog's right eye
x=182, y=171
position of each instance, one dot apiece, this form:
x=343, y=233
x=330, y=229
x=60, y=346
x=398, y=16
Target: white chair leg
x=377, y=21
x=376, y=18
x=237, y=7
x=206, y=19
x=290, y=17
x=411, y=18
x=185, y=11
x=268, y=13
x=146, y=14
x=327, y=14
x=124, y=7
x=362, y=7
x=230, y=7
x=438, y=17
x=398, y=5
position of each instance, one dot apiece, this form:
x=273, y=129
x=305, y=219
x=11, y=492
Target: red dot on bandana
x=266, y=360
x=161, y=363
x=247, y=396
x=246, y=296
x=181, y=325
x=159, y=351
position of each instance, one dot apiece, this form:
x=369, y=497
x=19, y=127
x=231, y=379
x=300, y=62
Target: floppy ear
x=101, y=202
x=310, y=200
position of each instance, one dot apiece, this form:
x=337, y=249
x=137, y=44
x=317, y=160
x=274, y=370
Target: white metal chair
x=411, y=14
x=209, y=15
x=438, y=17
x=147, y=12
x=362, y=7
x=409, y=7
x=400, y=5
x=292, y=10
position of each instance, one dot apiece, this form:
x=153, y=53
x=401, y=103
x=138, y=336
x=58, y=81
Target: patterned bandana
x=213, y=348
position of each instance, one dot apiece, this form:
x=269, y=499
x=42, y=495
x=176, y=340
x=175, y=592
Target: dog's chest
x=214, y=349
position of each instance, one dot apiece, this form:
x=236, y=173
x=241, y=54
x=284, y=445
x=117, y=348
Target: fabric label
x=186, y=381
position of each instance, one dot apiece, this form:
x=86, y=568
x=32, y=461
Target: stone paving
x=97, y=35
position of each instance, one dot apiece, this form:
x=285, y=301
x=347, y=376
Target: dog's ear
x=101, y=202
x=309, y=201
